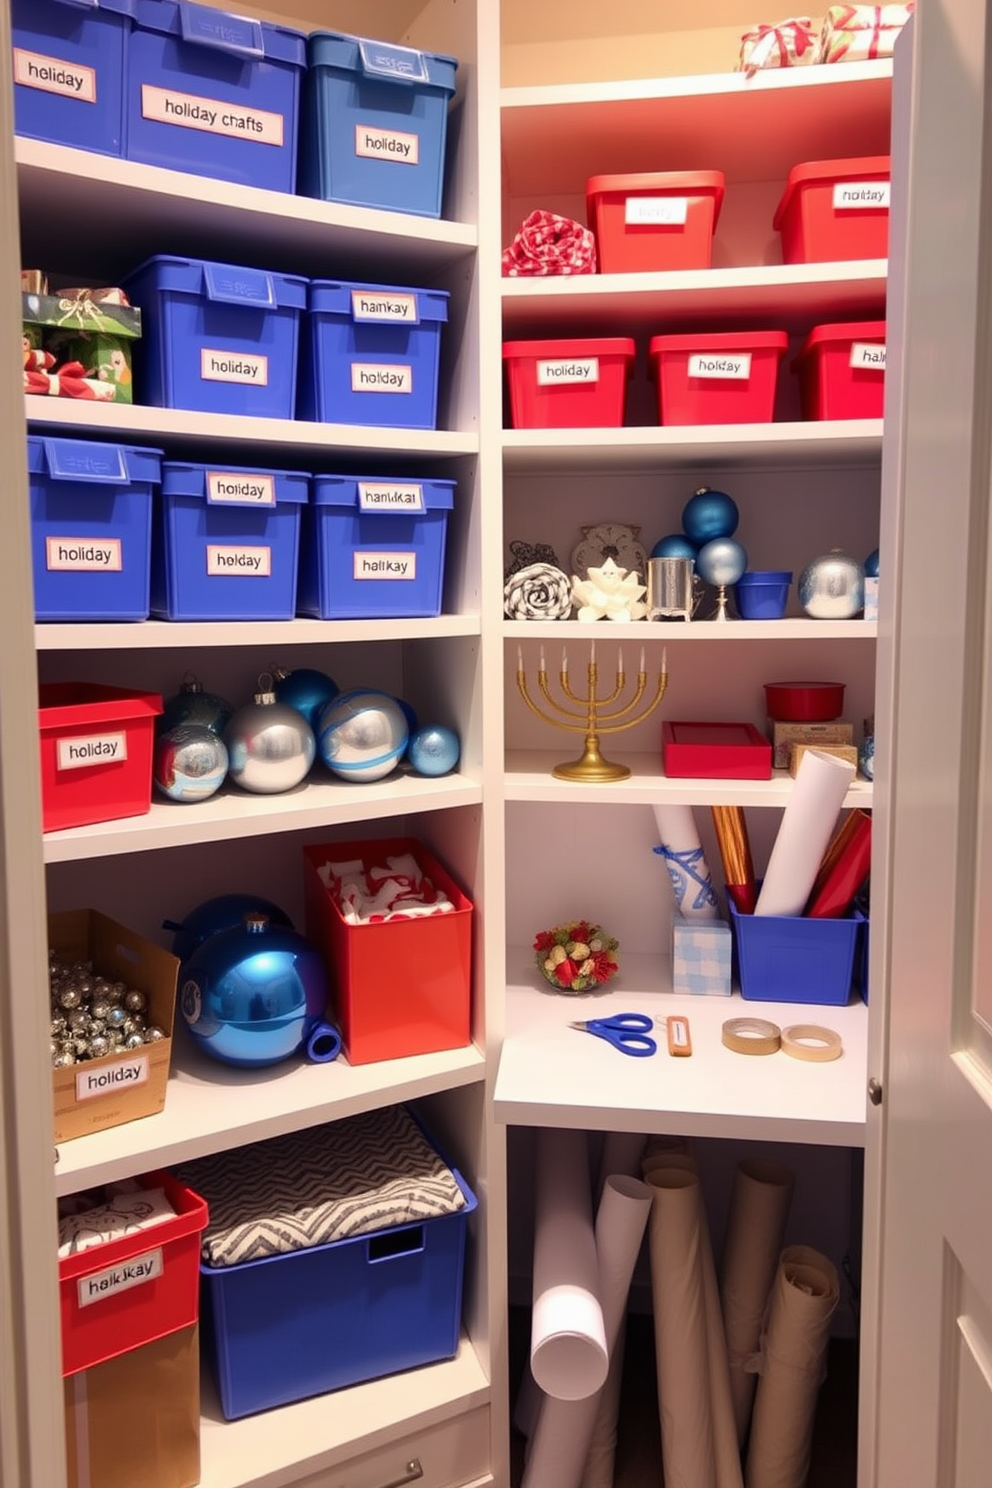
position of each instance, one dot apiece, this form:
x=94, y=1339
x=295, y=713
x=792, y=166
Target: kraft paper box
x=97, y=1093
x=839, y=751
x=136, y=1418
x=784, y=735
x=701, y=957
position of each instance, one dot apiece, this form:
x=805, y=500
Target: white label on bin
x=211, y=115
x=736, y=365
x=222, y=486
x=233, y=366
x=53, y=75
x=380, y=377
x=390, y=307
x=384, y=565
x=857, y=195
x=573, y=369
x=390, y=496
x=112, y=1078
x=120, y=1278
x=387, y=144
x=868, y=355
x=81, y=555
x=77, y=752
x=663, y=211
x=253, y=563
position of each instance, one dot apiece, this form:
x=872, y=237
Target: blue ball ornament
x=433, y=750
x=871, y=565
x=710, y=514
x=192, y=705
x=306, y=690
x=674, y=546
x=721, y=561
x=361, y=735
x=223, y=912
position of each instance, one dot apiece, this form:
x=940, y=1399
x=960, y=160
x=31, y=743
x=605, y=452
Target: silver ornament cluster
x=93, y=1016
x=538, y=592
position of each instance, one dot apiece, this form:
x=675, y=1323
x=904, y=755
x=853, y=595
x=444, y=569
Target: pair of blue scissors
x=628, y=1032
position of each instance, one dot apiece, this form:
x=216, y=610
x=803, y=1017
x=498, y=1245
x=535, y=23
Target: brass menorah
x=592, y=715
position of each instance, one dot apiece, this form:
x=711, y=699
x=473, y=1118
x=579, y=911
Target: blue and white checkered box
x=871, y=598
x=701, y=956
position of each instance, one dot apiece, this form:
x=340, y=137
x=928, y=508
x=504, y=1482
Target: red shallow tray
x=715, y=751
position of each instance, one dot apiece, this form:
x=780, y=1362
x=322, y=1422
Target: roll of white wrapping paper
x=807, y=826
x=621, y=1155
x=568, y=1353
x=682, y=853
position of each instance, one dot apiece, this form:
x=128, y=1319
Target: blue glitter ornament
x=361, y=735
x=674, y=546
x=306, y=690
x=192, y=705
x=710, y=514
x=433, y=750
x=189, y=762
x=223, y=912
x=721, y=561
x=871, y=564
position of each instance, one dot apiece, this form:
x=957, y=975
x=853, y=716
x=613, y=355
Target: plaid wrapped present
x=861, y=33
x=701, y=957
x=790, y=43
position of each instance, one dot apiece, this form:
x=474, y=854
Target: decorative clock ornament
x=609, y=540
x=271, y=745
x=675, y=545
x=832, y=587
x=609, y=593
x=223, y=912
x=709, y=514
x=306, y=690
x=362, y=735
x=189, y=763
x=433, y=750
x=192, y=704
x=539, y=592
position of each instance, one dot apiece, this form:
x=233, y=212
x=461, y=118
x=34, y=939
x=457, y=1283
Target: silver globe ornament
x=305, y=689
x=189, y=763
x=433, y=750
x=192, y=704
x=271, y=746
x=362, y=735
x=832, y=587
x=721, y=563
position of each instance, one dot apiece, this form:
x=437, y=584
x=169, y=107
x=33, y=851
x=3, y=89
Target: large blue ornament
x=252, y=996
x=721, y=561
x=224, y=912
x=192, y=705
x=710, y=514
x=674, y=546
x=871, y=564
x=306, y=690
x=433, y=750
x=361, y=735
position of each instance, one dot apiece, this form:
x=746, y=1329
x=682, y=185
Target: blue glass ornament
x=189, y=762
x=871, y=564
x=710, y=514
x=192, y=705
x=674, y=546
x=361, y=735
x=721, y=561
x=223, y=912
x=409, y=714
x=306, y=690
x=433, y=750
x=253, y=995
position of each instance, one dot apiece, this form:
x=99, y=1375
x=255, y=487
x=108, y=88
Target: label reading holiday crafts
x=390, y=496
x=658, y=211
x=95, y=749
x=384, y=565
x=385, y=377
x=253, y=563
x=868, y=356
x=81, y=555
x=53, y=75
x=120, y=1278
x=233, y=366
x=188, y=111
x=735, y=365
x=111, y=1079
x=574, y=369
x=860, y=195
x=387, y=144
x=241, y=489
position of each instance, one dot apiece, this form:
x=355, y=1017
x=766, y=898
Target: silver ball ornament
x=100, y=1008
x=135, y=1002
x=721, y=561
x=362, y=735
x=99, y=1045
x=832, y=587
x=270, y=746
x=153, y=1034
x=116, y=1017
x=190, y=762
x=433, y=750
x=133, y=1041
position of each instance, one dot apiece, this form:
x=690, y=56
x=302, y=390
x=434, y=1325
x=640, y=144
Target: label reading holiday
x=120, y=1278
x=53, y=75
x=721, y=364
x=83, y=555
x=250, y=562
x=111, y=1079
x=93, y=749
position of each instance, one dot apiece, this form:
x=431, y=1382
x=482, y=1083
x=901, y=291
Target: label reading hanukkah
x=95, y=749
x=574, y=369
x=211, y=115
x=387, y=144
x=859, y=195
x=378, y=305
x=111, y=1078
x=233, y=366
x=224, y=485
x=83, y=555
x=868, y=355
x=375, y=377
x=735, y=365
x=52, y=75
x=253, y=563
x=662, y=211
x=390, y=496
x=384, y=565
x=120, y=1278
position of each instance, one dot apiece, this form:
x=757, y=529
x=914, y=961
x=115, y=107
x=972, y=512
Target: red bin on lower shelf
x=716, y=378
x=568, y=384
x=842, y=371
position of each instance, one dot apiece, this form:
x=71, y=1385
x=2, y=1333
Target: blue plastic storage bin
x=372, y=354
x=791, y=958
x=214, y=94
x=373, y=548
x=226, y=543
x=218, y=338
x=70, y=71
x=375, y=119
x=91, y=522
x=291, y=1326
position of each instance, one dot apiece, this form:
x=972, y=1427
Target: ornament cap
x=256, y=922
x=191, y=683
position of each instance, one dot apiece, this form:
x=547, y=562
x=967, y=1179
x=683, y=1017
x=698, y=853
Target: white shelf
x=551, y=1075
x=232, y=814
x=840, y=444
x=153, y=635
x=528, y=777
x=677, y=632
x=210, y=1107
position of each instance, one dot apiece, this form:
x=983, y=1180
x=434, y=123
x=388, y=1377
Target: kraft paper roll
x=803, y=1300
x=759, y=1209
x=807, y=825
x=685, y=860
x=568, y=1352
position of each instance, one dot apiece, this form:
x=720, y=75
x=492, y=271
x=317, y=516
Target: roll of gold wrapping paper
x=735, y=854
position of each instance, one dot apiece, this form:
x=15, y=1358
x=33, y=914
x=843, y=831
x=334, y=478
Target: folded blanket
x=548, y=244
x=121, y=1212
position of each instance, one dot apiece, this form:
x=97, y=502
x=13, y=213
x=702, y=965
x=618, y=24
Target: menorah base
x=592, y=768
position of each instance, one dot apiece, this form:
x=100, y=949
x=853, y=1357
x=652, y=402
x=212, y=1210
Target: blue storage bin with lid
x=70, y=69
x=373, y=547
x=91, y=522
x=217, y=337
x=792, y=958
x=226, y=542
x=374, y=126
x=215, y=94
x=372, y=354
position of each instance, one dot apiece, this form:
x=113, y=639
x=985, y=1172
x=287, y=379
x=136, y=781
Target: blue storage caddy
x=218, y=338
x=70, y=71
x=226, y=543
x=291, y=1326
x=372, y=355
x=792, y=958
x=214, y=94
x=373, y=547
x=91, y=522
x=375, y=118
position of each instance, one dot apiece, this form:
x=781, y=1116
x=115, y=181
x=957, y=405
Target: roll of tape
x=752, y=1036
x=812, y=1042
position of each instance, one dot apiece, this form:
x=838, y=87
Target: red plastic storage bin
x=842, y=371
x=835, y=209
x=118, y=1296
x=403, y=986
x=715, y=751
x=568, y=384
x=717, y=379
x=96, y=752
x=654, y=221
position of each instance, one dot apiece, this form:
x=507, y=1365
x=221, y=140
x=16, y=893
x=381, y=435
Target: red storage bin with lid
x=654, y=221
x=715, y=378
x=96, y=752
x=842, y=371
x=568, y=384
x=835, y=209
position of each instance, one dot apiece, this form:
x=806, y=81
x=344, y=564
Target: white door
x=928, y=1389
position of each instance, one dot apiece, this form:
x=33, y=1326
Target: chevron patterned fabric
x=363, y=1174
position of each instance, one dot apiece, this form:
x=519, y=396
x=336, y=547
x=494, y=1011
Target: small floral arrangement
x=576, y=956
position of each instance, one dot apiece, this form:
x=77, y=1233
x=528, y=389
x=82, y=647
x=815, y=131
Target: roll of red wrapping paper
x=735, y=853
x=846, y=865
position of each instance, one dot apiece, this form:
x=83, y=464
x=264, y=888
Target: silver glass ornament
x=190, y=762
x=116, y=1017
x=70, y=997
x=100, y=1008
x=99, y=1046
x=133, y=1041
x=153, y=1034
x=63, y=1060
x=270, y=745
x=832, y=587
x=135, y=1002
x=362, y=735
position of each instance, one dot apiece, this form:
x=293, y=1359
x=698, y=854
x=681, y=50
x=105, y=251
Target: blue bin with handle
x=70, y=64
